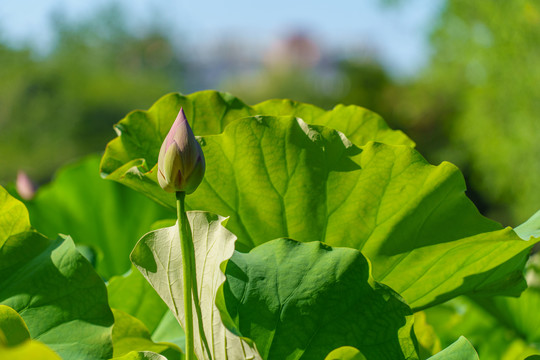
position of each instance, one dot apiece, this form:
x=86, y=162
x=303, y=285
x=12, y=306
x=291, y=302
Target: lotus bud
x=181, y=160
x=24, y=185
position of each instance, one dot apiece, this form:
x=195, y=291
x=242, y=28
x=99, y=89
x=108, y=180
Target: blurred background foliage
x=57, y=107
x=475, y=103
x=485, y=58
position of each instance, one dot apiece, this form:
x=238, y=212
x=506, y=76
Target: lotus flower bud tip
x=181, y=162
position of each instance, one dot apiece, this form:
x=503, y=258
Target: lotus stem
x=186, y=243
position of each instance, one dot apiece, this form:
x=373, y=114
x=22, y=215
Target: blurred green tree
x=56, y=107
x=486, y=60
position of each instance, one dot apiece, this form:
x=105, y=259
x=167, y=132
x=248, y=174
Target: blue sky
x=398, y=34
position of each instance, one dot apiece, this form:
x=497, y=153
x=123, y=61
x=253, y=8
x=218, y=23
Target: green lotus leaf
x=13, y=330
x=280, y=177
x=428, y=341
x=30, y=349
x=130, y=334
x=105, y=216
x=345, y=353
x=52, y=287
x=499, y=327
x=530, y=228
x=133, y=154
x=132, y=294
x=141, y=355
x=15, y=342
x=461, y=349
x=301, y=300
x=357, y=123
x=321, y=289
x=157, y=256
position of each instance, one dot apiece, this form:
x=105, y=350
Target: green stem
x=186, y=243
x=198, y=311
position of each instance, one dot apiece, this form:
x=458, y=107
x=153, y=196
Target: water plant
x=310, y=234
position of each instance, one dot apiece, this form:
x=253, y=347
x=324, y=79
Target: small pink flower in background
x=24, y=185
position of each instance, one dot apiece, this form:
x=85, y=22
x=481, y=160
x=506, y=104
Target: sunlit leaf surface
x=53, y=287
x=281, y=177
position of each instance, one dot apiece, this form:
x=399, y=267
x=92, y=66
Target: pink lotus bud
x=24, y=185
x=181, y=160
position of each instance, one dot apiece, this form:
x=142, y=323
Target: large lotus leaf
x=132, y=294
x=492, y=338
x=521, y=314
x=428, y=341
x=284, y=178
x=130, y=334
x=30, y=349
x=499, y=327
x=358, y=124
x=461, y=349
x=169, y=330
x=530, y=228
x=53, y=287
x=158, y=256
x=13, y=330
x=279, y=177
x=345, y=353
x=131, y=157
x=104, y=215
x=301, y=300
x=13, y=217
x=520, y=320
x=141, y=355
x=15, y=342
